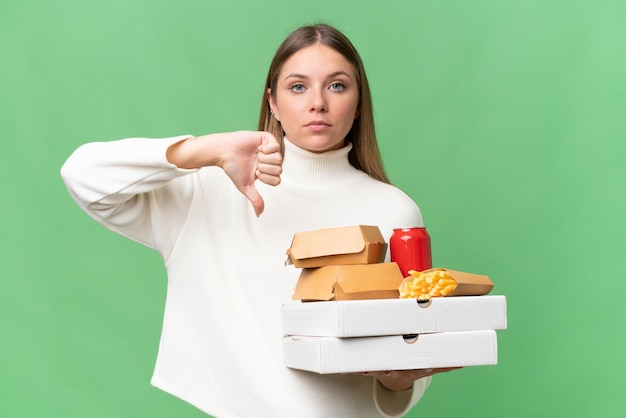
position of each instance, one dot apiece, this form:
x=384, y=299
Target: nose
x=318, y=101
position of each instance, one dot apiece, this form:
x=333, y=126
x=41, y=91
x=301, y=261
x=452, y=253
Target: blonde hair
x=365, y=154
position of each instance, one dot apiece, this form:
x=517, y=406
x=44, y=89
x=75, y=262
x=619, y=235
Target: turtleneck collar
x=307, y=167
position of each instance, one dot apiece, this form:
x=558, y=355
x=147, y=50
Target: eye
x=337, y=86
x=298, y=88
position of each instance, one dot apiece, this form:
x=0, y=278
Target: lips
x=317, y=126
x=317, y=123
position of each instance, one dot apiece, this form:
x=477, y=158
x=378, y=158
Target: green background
x=504, y=120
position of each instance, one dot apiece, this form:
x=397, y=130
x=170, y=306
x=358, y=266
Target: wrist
x=195, y=152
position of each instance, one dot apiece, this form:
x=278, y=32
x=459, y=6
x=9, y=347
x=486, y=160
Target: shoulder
x=392, y=200
x=388, y=190
x=406, y=210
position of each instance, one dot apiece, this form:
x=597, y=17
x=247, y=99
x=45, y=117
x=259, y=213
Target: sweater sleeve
x=393, y=404
x=126, y=185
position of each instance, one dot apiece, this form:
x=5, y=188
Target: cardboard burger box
x=349, y=282
x=395, y=352
x=357, y=244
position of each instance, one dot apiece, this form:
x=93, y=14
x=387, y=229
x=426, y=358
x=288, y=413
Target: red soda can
x=410, y=248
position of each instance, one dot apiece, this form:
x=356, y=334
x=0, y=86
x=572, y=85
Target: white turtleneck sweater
x=220, y=347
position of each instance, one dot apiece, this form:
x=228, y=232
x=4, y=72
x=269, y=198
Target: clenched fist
x=245, y=156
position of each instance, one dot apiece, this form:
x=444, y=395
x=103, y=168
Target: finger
x=273, y=158
x=269, y=143
x=270, y=169
x=444, y=369
x=268, y=179
x=251, y=193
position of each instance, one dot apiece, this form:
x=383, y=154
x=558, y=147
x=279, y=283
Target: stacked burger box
x=347, y=316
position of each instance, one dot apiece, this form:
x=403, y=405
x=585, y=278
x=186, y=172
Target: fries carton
x=442, y=282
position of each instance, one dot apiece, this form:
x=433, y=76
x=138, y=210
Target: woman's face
x=316, y=98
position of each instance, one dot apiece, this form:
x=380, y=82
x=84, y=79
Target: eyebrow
x=331, y=75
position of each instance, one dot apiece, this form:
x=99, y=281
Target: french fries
x=427, y=284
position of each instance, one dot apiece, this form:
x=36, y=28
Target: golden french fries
x=427, y=284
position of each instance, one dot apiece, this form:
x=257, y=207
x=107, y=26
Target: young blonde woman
x=222, y=209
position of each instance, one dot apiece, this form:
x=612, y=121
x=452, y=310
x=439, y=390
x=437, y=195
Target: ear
x=272, y=104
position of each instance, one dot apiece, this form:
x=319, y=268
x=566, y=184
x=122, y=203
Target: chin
x=319, y=144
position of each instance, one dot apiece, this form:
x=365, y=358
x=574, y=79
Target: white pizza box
x=327, y=355
x=377, y=317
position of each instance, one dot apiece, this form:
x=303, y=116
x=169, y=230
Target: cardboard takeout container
x=368, y=318
x=468, y=284
x=395, y=352
x=358, y=244
x=349, y=282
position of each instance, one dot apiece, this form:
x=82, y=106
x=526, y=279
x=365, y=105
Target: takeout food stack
x=354, y=312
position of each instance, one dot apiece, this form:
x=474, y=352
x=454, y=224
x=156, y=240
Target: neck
x=308, y=167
